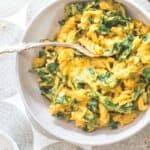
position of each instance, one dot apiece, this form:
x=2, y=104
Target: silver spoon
x=26, y=46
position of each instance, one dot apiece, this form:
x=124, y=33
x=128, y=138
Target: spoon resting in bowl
x=26, y=46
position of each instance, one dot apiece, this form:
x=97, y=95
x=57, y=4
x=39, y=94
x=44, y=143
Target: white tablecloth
x=8, y=88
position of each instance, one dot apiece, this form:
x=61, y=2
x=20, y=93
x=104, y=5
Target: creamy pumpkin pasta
x=107, y=91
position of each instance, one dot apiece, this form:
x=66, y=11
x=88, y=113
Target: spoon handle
x=25, y=46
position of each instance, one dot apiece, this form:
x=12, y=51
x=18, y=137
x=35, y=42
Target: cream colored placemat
x=16, y=125
x=9, y=34
x=6, y=142
x=9, y=7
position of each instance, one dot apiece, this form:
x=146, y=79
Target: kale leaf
x=146, y=75
x=93, y=105
x=123, y=49
x=113, y=124
x=61, y=99
x=52, y=67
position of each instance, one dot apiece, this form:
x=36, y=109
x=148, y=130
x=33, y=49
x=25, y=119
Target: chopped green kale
x=146, y=75
x=123, y=49
x=74, y=8
x=137, y=93
x=103, y=29
x=60, y=115
x=91, y=71
x=113, y=124
x=52, y=67
x=61, y=99
x=93, y=105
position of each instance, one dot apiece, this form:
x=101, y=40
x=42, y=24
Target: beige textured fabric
x=15, y=124
x=9, y=34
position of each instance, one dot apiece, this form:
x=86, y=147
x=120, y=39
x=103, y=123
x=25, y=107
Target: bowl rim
x=88, y=143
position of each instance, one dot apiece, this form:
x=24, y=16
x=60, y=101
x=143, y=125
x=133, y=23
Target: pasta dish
x=108, y=91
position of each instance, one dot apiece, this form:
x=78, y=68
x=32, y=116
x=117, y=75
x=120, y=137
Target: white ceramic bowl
x=44, y=25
